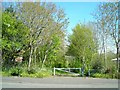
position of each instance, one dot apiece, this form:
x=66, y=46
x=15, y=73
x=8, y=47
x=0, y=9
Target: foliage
x=46, y=26
x=82, y=46
x=40, y=34
x=32, y=71
x=97, y=65
x=75, y=63
x=14, y=37
x=15, y=71
x=6, y=73
x=98, y=75
x=107, y=25
x=37, y=31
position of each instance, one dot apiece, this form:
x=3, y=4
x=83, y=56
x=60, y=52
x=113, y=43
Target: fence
x=67, y=70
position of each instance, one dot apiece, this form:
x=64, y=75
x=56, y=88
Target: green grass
x=108, y=76
x=98, y=75
x=5, y=73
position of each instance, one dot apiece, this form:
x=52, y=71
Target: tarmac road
x=58, y=82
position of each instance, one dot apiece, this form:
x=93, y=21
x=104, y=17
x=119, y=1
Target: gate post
x=69, y=69
x=89, y=72
x=54, y=71
x=80, y=71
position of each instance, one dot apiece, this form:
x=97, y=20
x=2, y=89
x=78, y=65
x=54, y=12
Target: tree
x=42, y=19
x=107, y=20
x=82, y=45
x=14, y=37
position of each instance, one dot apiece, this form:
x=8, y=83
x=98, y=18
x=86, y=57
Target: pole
x=80, y=71
x=69, y=69
x=89, y=72
x=54, y=71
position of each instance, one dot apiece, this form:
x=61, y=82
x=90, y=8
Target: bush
x=117, y=75
x=32, y=71
x=37, y=73
x=92, y=72
x=24, y=74
x=97, y=65
x=15, y=71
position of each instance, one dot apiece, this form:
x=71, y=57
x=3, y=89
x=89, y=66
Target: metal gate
x=68, y=70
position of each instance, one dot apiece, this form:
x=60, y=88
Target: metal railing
x=68, y=70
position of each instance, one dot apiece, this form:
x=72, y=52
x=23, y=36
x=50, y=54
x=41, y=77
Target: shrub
x=98, y=75
x=32, y=71
x=39, y=75
x=24, y=74
x=92, y=72
x=15, y=71
x=117, y=75
x=36, y=73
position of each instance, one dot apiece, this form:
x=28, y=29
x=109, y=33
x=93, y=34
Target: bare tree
x=107, y=19
x=42, y=19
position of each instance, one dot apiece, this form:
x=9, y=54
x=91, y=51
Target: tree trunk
x=104, y=49
x=44, y=61
x=30, y=57
x=105, y=55
x=83, y=66
x=35, y=55
x=44, y=58
x=117, y=58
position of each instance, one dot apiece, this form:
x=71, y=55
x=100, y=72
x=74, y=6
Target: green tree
x=82, y=45
x=14, y=37
x=43, y=20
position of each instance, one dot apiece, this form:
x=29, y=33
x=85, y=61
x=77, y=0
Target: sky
x=77, y=12
x=81, y=12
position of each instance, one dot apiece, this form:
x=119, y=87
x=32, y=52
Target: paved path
x=58, y=82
